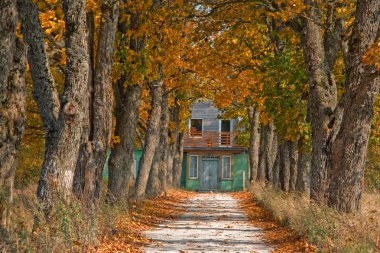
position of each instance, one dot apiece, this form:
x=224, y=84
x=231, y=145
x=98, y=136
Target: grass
x=325, y=228
x=71, y=229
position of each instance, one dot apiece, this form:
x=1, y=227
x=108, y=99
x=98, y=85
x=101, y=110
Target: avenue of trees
x=113, y=76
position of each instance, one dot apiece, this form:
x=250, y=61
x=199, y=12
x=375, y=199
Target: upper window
x=225, y=135
x=193, y=170
x=196, y=127
x=226, y=167
x=225, y=125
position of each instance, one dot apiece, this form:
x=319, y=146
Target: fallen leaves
x=127, y=236
x=284, y=238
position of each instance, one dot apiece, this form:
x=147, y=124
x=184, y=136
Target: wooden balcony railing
x=210, y=139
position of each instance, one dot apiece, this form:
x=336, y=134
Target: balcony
x=205, y=139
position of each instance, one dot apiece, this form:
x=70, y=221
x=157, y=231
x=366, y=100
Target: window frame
x=230, y=166
x=197, y=135
x=197, y=168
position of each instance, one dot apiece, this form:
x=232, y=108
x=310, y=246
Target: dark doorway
x=226, y=126
x=225, y=135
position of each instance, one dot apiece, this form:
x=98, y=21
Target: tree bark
x=174, y=116
x=61, y=158
x=303, y=169
x=319, y=57
x=127, y=102
x=266, y=155
x=151, y=139
x=12, y=104
x=276, y=164
x=44, y=88
x=284, y=166
x=262, y=154
x=97, y=133
x=157, y=177
x=164, y=144
x=254, y=142
x=122, y=154
x=362, y=86
x=293, y=156
x=177, y=161
x=272, y=152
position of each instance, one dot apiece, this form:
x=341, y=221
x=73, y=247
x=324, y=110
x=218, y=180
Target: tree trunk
x=44, y=88
x=362, y=86
x=122, y=154
x=272, y=152
x=60, y=160
x=170, y=160
x=276, y=163
x=284, y=166
x=164, y=144
x=322, y=100
x=266, y=156
x=293, y=156
x=174, y=116
x=157, y=176
x=12, y=104
x=254, y=142
x=303, y=169
x=151, y=139
x=98, y=128
x=177, y=162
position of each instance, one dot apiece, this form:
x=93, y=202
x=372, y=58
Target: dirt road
x=213, y=222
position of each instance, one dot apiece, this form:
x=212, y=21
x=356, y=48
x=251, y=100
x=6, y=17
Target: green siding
x=226, y=185
x=137, y=157
x=192, y=184
x=240, y=165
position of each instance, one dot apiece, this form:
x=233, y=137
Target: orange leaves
x=52, y=24
x=372, y=56
x=127, y=234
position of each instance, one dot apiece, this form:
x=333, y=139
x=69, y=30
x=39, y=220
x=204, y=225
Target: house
x=212, y=161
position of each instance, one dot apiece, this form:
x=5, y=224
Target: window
x=193, y=173
x=196, y=127
x=225, y=135
x=226, y=167
x=225, y=126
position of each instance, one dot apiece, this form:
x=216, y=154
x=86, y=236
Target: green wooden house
x=212, y=161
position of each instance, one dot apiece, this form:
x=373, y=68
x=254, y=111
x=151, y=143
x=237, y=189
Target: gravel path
x=213, y=222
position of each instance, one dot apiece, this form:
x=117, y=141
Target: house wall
x=240, y=166
x=137, y=157
x=239, y=163
x=210, y=115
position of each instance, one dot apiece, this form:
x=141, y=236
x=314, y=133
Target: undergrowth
x=71, y=228
x=328, y=230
